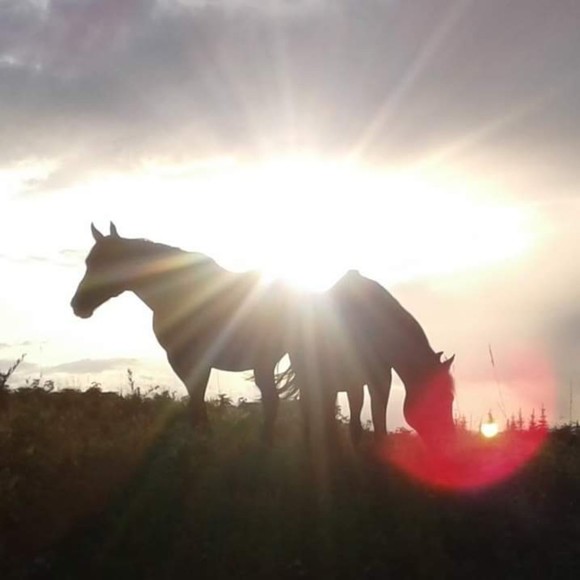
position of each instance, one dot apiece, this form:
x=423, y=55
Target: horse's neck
x=412, y=355
x=412, y=369
x=161, y=272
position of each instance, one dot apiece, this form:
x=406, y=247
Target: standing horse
x=353, y=335
x=203, y=315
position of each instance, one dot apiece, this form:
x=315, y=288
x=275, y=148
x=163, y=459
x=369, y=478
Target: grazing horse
x=353, y=335
x=203, y=315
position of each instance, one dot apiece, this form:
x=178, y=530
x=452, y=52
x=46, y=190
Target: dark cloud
x=93, y=365
x=23, y=366
x=106, y=84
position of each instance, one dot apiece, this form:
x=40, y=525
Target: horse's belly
x=237, y=349
x=244, y=355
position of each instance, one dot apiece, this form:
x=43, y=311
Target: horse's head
x=103, y=278
x=429, y=406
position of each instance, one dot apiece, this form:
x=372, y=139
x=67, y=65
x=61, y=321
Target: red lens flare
x=480, y=459
x=476, y=462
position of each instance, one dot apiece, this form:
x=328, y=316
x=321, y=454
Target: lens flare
x=475, y=463
x=489, y=430
x=475, y=460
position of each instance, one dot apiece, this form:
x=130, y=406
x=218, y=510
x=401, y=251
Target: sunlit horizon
x=308, y=220
x=428, y=146
x=305, y=219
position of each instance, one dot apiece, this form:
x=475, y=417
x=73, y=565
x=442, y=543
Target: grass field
x=97, y=485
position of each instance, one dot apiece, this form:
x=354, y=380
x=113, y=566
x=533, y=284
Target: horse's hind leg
x=355, y=403
x=196, y=391
x=265, y=382
x=379, y=392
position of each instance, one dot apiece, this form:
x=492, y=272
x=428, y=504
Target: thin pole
x=501, y=402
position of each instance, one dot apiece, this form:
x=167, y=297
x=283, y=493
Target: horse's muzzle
x=80, y=311
x=84, y=314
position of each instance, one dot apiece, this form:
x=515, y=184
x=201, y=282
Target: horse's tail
x=285, y=382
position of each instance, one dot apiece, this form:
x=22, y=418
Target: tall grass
x=98, y=485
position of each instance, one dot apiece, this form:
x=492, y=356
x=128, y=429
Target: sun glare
x=308, y=220
x=329, y=217
x=489, y=430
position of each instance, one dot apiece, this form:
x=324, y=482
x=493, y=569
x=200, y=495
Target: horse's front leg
x=355, y=403
x=265, y=382
x=195, y=378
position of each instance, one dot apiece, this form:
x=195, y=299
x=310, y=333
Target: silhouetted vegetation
x=98, y=485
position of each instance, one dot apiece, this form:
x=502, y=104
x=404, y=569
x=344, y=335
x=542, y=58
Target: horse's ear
x=447, y=364
x=113, y=231
x=96, y=233
x=439, y=354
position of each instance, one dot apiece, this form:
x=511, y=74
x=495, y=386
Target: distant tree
x=533, y=424
x=461, y=422
x=511, y=423
x=520, y=421
x=543, y=422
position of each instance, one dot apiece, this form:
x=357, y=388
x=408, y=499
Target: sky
x=429, y=143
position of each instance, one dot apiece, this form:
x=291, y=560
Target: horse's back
x=376, y=320
x=234, y=320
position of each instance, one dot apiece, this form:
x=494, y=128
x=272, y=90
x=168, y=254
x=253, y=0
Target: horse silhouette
x=207, y=317
x=353, y=335
x=203, y=315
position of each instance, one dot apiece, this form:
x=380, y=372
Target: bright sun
x=323, y=218
x=309, y=220
x=489, y=430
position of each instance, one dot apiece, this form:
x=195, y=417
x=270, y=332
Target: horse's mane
x=166, y=248
x=180, y=257
x=371, y=302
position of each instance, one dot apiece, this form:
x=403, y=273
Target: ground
x=95, y=485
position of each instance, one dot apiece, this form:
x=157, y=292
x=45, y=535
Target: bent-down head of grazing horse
x=353, y=335
x=203, y=315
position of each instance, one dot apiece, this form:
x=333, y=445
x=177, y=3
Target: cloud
x=104, y=85
x=22, y=343
x=63, y=258
x=93, y=365
x=24, y=366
